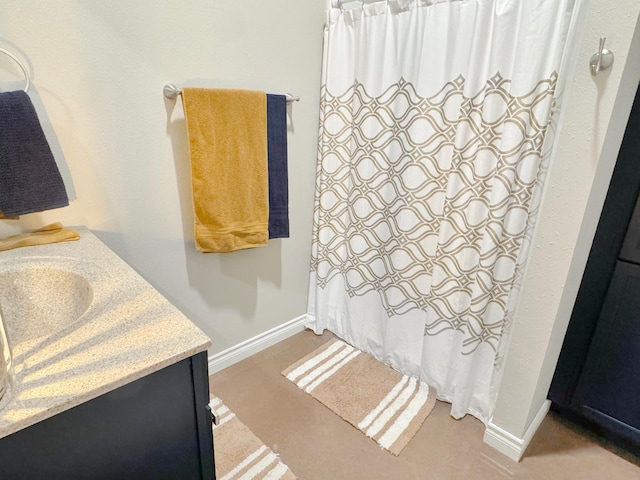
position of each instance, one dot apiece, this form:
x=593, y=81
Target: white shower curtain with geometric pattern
x=436, y=125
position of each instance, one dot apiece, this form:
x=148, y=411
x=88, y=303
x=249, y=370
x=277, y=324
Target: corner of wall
x=590, y=138
x=509, y=444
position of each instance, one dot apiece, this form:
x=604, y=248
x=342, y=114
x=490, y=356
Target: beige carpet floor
x=239, y=454
x=318, y=445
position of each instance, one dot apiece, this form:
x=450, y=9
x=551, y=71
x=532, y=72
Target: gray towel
x=29, y=177
x=277, y=162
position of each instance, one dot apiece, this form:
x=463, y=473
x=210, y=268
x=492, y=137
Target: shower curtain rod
x=342, y=3
x=171, y=91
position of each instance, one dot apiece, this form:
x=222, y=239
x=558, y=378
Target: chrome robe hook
x=602, y=59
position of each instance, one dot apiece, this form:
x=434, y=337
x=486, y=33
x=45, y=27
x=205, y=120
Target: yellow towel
x=227, y=132
x=50, y=234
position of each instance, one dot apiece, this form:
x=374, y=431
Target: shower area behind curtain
x=436, y=125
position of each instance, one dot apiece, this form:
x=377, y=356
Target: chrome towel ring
x=22, y=67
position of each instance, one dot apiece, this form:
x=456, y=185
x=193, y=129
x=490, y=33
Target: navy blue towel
x=29, y=177
x=278, y=175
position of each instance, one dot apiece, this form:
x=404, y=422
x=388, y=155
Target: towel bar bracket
x=171, y=91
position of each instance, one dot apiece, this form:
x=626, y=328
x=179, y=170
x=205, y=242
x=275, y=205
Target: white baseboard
x=239, y=352
x=507, y=443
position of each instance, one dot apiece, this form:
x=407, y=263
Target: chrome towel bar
x=171, y=92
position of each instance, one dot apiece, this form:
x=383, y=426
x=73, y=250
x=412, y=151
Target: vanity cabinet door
x=630, y=251
x=157, y=427
x=609, y=386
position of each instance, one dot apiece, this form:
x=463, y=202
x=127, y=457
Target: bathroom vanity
x=114, y=387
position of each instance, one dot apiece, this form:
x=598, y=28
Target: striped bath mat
x=381, y=402
x=239, y=454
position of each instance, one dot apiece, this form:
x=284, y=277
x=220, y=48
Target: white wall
x=98, y=70
x=597, y=110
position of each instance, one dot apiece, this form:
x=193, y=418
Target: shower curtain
x=436, y=126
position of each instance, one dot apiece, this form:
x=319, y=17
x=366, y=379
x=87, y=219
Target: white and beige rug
x=239, y=454
x=385, y=405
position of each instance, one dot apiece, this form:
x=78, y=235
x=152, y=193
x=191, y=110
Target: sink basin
x=38, y=300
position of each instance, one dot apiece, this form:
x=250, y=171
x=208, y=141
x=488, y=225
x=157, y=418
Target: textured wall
x=596, y=114
x=98, y=70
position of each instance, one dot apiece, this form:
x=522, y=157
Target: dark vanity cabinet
x=156, y=428
x=608, y=390
x=597, y=380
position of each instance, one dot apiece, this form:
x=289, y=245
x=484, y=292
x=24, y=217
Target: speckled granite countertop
x=128, y=331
